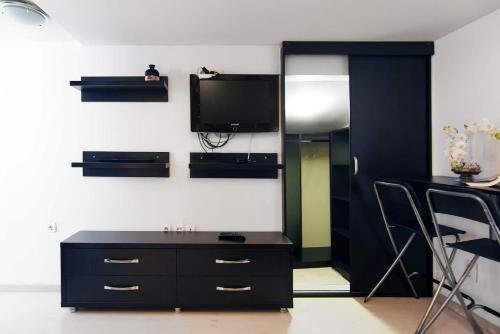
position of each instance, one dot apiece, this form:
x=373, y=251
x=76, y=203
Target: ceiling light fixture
x=23, y=11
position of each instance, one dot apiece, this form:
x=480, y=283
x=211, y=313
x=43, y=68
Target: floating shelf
x=234, y=165
x=124, y=164
x=122, y=89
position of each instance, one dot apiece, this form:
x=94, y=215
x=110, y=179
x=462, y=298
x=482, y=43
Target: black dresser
x=148, y=270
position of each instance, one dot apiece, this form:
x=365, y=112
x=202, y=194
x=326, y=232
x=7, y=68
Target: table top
x=454, y=182
x=158, y=239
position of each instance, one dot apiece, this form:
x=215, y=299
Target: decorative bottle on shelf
x=152, y=74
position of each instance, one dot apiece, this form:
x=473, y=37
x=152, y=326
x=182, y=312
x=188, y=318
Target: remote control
x=232, y=236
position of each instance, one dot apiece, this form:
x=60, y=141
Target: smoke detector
x=23, y=11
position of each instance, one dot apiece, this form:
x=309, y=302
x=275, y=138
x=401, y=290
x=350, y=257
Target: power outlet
x=166, y=228
x=52, y=228
x=474, y=273
x=179, y=228
x=190, y=227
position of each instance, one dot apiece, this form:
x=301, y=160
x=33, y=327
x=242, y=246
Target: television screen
x=234, y=103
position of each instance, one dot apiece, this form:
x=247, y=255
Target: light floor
x=319, y=279
x=39, y=313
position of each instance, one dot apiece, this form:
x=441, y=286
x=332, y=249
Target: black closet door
x=390, y=128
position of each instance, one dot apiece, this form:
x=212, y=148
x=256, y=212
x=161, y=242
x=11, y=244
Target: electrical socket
x=166, y=228
x=52, y=228
x=179, y=227
x=474, y=273
x=190, y=227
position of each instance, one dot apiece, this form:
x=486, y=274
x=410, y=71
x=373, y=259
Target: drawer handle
x=233, y=289
x=121, y=261
x=121, y=288
x=220, y=261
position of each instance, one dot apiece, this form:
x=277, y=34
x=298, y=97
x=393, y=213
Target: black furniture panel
x=227, y=291
x=292, y=191
x=340, y=179
x=120, y=262
x=234, y=165
x=359, y=48
x=119, y=291
x=122, y=89
x=390, y=122
x=124, y=164
x=233, y=262
x=122, y=269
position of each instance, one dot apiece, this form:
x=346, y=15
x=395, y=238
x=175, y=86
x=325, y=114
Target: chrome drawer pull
x=219, y=261
x=244, y=288
x=121, y=261
x=122, y=288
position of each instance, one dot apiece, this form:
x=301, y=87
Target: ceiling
x=148, y=22
x=316, y=103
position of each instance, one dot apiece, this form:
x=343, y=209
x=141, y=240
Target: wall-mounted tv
x=235, y=103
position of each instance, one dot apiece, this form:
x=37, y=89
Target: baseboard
x=486, y=325
x=30, y=288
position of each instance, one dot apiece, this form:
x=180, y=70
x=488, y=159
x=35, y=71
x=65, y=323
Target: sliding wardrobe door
x=390, y=122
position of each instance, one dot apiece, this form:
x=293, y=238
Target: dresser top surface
x=158, y=239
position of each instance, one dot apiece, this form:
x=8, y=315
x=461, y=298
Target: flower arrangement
x=458, y=145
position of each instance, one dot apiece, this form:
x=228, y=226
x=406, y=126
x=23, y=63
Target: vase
x=152, y=74
x=470, y=166
x=486, y=154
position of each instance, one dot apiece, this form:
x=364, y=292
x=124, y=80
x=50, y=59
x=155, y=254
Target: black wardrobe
x=389, y=136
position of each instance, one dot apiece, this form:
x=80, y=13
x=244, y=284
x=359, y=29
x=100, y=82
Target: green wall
x=315, y=184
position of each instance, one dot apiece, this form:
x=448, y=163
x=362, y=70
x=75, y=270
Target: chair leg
x=396, y=261
x=450, y=276
x=405, y=272
x=445, y=266
x=455, y=291
x=438, y=290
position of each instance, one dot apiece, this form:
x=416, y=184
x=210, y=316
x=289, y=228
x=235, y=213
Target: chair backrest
x=400, y=206
x=466, y=203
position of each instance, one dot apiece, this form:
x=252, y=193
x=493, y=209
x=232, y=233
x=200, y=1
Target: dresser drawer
x=123, y=262
x=233, y=262
x=234, y=291
x=119, y=290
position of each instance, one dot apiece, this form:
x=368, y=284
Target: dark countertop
x=158, y=239
x=454, y=182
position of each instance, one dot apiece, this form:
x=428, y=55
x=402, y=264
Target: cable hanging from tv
x=208, y=143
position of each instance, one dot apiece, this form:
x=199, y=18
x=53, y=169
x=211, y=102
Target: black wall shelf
x=234, y=165
x=124, y=164
x=122, y=89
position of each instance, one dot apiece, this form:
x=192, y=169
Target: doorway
x=316, y=147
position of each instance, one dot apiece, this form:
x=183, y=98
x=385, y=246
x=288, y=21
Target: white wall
x=466, y=74
x=44, y=127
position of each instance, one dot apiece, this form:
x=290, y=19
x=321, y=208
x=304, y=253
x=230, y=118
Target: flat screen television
x=235, y=103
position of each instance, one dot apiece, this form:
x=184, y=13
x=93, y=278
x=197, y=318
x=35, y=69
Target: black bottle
x=152, y=74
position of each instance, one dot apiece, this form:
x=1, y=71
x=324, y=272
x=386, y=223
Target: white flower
x=459, y=154
x=461, y=137
x=494, y=134
x=460, y=145
x=450, y=142
x=448, y=152
x=450, y=131
x=485, y=125
x=471, y=127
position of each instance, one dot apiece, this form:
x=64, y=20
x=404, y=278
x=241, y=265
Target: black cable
x=199, y=140
x=207, y=144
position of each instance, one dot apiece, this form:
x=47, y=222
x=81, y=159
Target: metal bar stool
x=473, y=205
x=400, y=198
